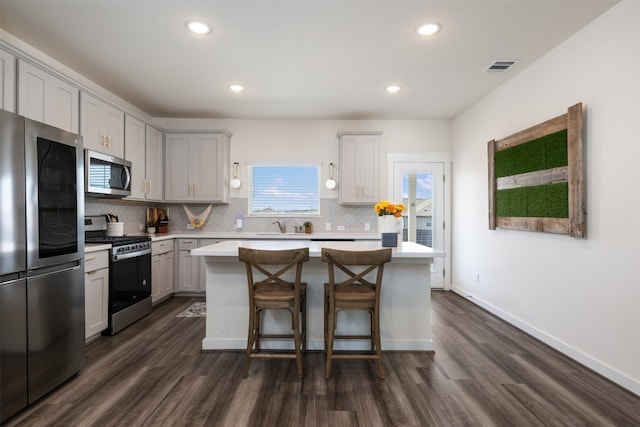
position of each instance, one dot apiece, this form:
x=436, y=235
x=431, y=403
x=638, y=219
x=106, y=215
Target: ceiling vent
x=501, y=66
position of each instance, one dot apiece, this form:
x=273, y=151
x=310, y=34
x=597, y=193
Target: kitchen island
x=405, y=314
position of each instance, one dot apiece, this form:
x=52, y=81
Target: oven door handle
x=120, y=257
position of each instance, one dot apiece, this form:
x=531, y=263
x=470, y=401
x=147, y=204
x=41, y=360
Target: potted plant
x=308, y=227
x=151, y=227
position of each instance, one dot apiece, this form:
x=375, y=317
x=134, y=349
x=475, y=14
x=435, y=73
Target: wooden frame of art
x=536, y=177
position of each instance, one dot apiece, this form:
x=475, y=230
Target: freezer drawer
x=55, y=314
x=13, y=347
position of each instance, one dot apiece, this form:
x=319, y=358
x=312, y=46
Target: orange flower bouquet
x=384, y=207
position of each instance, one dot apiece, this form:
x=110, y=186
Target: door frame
x=394, y=157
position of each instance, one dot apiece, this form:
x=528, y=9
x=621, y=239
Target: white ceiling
x=304, y=59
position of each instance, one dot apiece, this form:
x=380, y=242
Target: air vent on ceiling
x=501, y=65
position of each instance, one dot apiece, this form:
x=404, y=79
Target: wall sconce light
x=235, y=181
x=331, y=182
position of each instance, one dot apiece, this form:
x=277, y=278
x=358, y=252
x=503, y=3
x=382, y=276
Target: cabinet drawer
x=187, y=244
x=96, y=260
x=161, y=247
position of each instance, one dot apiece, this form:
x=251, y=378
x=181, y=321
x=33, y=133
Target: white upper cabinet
x=7, y=81
x=101, y=126
x=46, y=98
x=143, y=148
x=154, y=161
x=197, y=167
x=359, y=167
x=134, y=151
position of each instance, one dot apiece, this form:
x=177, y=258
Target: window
x=284, y=190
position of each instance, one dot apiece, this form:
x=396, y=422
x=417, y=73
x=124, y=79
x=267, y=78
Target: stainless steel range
x=129, y=274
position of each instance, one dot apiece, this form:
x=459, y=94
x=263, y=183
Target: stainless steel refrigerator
x=41, y=263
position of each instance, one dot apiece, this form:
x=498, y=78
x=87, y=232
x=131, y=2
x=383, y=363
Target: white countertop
x=95, y=247
x=245, y=235
x=229, y=248
x=266, y=235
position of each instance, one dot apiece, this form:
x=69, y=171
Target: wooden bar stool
x=353, y=293
x=273, y=292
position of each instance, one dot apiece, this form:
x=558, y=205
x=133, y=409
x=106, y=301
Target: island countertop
x=229, y=248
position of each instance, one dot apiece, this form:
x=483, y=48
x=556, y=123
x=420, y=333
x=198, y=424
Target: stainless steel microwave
x=106, y=176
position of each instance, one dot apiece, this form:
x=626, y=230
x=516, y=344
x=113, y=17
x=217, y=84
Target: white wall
x=315, y=141
x=580, y=295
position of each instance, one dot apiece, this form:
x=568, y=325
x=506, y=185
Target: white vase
x=387, y=224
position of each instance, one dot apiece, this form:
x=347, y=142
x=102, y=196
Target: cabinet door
x=114, y=130
x=31, y=91
x=188, y=272
x=134, y=151
x=92, y=136
x=176, y=183
x=359, y=169
x=96, y=298
x=157, y=273
x=62, y=106
x=153, y=163
x=102, y=126
x=47, y=99
x=7, y=81
x=206, y=178
x=167, y=284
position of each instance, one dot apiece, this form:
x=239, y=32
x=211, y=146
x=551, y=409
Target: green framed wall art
x=536, y=177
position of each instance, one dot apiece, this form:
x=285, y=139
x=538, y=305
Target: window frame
x=250, y=186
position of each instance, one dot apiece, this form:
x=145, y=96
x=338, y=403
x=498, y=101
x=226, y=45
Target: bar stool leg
x=296, y=338
x=250, y=340
x=329, y=342
x=303, y=309
x=378, y=347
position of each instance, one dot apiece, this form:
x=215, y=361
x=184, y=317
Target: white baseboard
x=591, y=363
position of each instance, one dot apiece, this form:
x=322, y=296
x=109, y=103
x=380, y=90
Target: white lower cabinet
x=161, y=270
x=188, y=266
x=192, y=269
x=96, y=292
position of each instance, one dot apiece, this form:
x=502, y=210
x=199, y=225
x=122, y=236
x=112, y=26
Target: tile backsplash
x=223, y=216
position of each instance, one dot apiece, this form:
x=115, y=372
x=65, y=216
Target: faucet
x=282, y=226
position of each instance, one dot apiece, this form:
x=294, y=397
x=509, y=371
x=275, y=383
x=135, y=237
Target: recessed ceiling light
x=393, y=88
x=198, y=27
x=428, y=29
x=236, y=88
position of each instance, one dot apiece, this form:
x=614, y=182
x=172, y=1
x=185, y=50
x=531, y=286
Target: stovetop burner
x=95, y=227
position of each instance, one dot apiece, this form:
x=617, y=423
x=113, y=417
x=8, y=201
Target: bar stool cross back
x=355, y=292
x=273, y=292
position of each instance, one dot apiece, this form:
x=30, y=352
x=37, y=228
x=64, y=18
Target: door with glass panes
x=420, y=187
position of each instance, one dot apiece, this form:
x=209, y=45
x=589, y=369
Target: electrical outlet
x=327, y=226
x=140, y=227
x=367, y=226
x=190, y=227
x=341, y=228
x=477, y=277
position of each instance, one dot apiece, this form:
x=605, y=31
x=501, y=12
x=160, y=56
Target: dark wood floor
x=483, y=373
